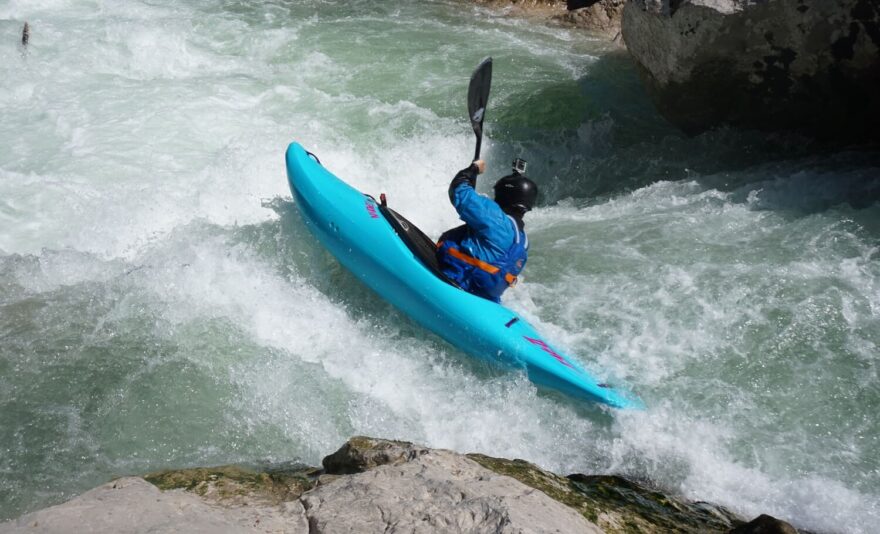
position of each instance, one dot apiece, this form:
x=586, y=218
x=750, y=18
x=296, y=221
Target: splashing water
x=153, y=313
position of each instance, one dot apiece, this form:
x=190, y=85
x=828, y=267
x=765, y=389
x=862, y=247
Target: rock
x=232, y=485
x=436, y=491
x=133, y=505
x=812, y=67
x=616, y=504
x=598, y=16
x=362, y=453
x=373, y=485
x=765, y=524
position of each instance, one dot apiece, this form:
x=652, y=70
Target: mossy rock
x=232, y=484
x=361, y=453
x=616, y=504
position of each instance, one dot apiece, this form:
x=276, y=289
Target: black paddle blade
x=478, y=95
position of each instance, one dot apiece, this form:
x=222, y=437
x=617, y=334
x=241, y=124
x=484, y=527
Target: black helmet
x=516, y=191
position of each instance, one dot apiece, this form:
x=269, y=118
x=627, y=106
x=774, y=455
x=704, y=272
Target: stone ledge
x=372, y=485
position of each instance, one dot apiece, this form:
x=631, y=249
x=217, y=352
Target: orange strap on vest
x=478, y=263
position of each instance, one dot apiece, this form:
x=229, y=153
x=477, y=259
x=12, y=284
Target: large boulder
x=770, y=65
x=436, y=491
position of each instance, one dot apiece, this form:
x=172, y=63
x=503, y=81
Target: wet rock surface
x=375, y=485
x=812, y=67
x=616, y=504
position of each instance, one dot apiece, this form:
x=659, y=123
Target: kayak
x=396, y=260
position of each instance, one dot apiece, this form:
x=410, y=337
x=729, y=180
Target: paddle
x=478, y=97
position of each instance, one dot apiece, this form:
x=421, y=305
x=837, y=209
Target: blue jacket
x=490, y=240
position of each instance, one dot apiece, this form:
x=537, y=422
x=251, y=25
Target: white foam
x=398, y=377
x=140, y=139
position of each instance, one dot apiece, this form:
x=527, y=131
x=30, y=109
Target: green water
x=162, y=305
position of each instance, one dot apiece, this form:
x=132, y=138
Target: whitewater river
x=162, y=304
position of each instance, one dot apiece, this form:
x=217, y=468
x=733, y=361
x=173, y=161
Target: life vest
x=482, y=278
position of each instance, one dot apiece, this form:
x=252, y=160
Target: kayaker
x=485, y=255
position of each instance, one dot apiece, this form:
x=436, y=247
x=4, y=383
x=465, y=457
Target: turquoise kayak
x=396, y=260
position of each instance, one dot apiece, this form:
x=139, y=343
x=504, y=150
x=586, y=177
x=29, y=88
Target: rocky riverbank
x=376, y=485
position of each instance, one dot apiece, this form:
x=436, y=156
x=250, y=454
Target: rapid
x=162, y=304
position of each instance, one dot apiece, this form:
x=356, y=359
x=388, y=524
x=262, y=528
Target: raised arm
x=468, y=176
x=478, y=211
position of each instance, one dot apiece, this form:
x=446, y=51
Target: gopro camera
x=519, y=166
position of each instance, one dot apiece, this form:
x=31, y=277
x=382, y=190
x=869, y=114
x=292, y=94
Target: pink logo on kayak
x=546, y=348
x=371, y=209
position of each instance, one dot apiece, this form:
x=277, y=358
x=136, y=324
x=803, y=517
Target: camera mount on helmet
x=516, y=191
